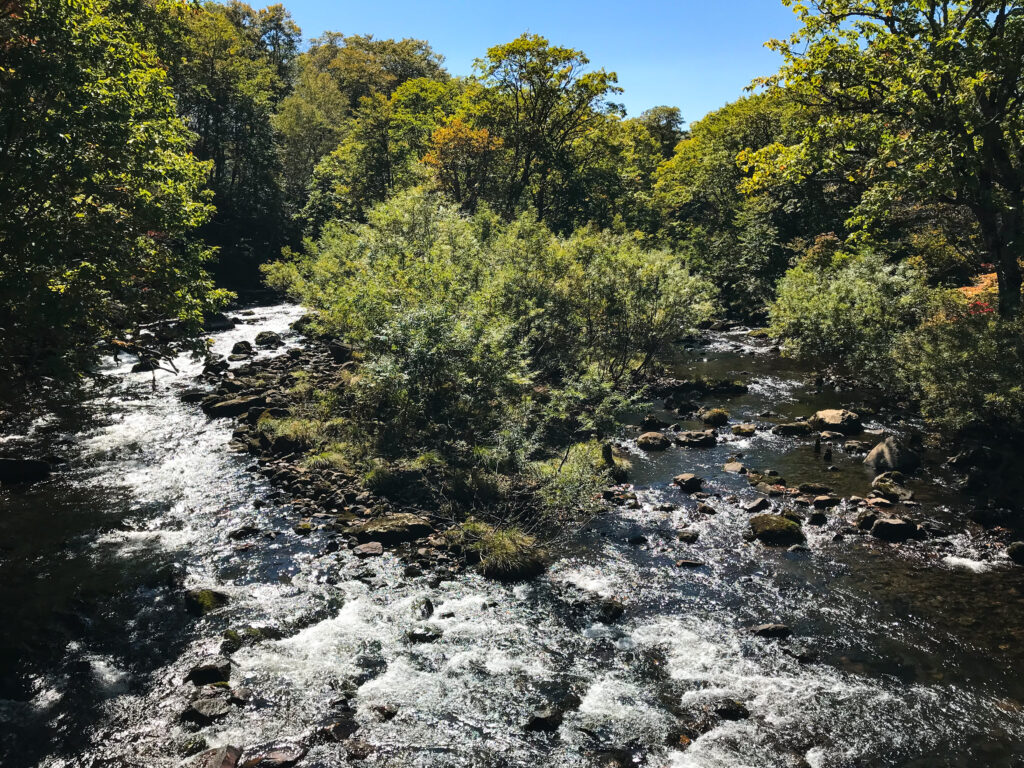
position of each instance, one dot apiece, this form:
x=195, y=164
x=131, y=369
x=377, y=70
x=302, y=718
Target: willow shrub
x=494, y=344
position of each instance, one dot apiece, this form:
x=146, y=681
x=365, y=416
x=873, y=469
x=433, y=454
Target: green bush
x=966, y=366
x=848, y=310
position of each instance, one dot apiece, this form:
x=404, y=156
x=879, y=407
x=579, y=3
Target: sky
x=693, y=54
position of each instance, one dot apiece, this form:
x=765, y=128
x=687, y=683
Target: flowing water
x=901, y=656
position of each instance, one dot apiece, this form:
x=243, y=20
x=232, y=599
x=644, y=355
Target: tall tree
x=542, y=102
x=918, y=99
x=100, y=192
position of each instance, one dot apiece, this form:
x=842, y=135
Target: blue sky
x=693, y=54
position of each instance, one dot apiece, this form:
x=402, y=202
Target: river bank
x=900, y=654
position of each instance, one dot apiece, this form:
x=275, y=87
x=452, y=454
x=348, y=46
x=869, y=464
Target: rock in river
x=218, y=757
x=837, y=420
x=776, y=531
x=234, y=406
x=894, y=529
x=892, y=454
x=268, y=339
x=793, y=429
x=278, y=754
x=202, y=601
x=772, y=631
x=214, y=669
x=207, y=710
x=391, y=529
x=370, y=549
x=1016, y=552
x=688, y=482
x=697, y=439
x=653, y=441
x=757, y=505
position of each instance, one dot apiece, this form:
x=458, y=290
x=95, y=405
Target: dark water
x=911, y=656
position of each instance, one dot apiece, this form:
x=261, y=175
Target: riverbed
x=903, y=655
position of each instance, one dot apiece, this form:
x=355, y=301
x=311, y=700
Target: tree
x=100, y=191
x=462, y=158
x=918, y=99
x=541, y=102
x=229, y=77
x=665, y=125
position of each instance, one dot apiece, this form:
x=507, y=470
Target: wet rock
x=358, y=749
x=392, y=529
x=653, y=441
x=814, y=489
x=706, y=509
x=793, y=429
x=235, y=406
x=694, y=439
x=218, y=757
x=423, y=608
x=894, y=529
x=17, y=471
x=715, y=417
x=688, y=482
x=687, y=536
x=652, y=423
x=744, y=430
x=772, y=631
x=206, y=711
x=203, y=601
x=610, y=610
x=243, y=532
x=865, y=520
x=193, y=395
x=214, y=669
x=817, y=518
x=424, y=634
x=837, y=420
x=337, y=729
x=218, y=321
x=241, y=348
x=776, y=531
x=825, y=502
x=269, y=339
x=689, y=563
x=757, y=505
x=369, y=549
x=730, y=709
x=892, y=454
x=278, y=754
x=1016, y=552
x=240, y=696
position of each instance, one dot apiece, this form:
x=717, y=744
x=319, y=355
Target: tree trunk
x=1003, y=234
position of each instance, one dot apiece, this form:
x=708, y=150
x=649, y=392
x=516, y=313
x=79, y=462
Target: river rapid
x=906, y=655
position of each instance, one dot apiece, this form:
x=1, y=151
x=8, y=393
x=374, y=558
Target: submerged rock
x=776, y=531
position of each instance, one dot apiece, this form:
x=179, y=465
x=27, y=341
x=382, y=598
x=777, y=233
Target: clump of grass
x=341, y=457
x=507, y=554
x=308, y=432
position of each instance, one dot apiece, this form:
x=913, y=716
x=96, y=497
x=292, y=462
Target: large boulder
x=391, y=529
x=776, y=531
x=653, y=441
x=837, y=420
x=23, y=470
x=268, y=339
x=891, y=454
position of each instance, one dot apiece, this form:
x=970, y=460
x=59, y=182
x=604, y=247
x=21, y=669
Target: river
x=903, y=655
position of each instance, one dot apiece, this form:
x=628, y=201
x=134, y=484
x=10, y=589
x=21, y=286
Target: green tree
x=542, y=102
x=100, y=191
x=917, y=99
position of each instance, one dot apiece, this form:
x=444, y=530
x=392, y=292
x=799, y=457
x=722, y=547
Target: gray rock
x=207, y=710
x=757, y=505
x=278, y=754
x=892, y=454
x=653, y=441
x=392, y=529
x=370, y=549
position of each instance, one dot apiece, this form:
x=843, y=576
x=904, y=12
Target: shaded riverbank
x=901, y=655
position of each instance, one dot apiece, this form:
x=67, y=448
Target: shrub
x=966, y=365
x=848, y=309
